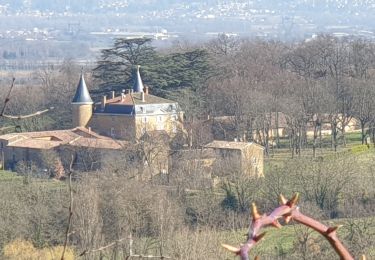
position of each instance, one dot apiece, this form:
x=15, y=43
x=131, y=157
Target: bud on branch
x=287, y=210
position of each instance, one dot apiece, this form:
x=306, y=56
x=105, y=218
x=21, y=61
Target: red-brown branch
x=288, y=210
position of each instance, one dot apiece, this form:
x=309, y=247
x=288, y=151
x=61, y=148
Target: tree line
x=326, y=80
x=323, y=82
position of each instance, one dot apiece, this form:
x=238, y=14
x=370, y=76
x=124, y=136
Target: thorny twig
x=287, y=210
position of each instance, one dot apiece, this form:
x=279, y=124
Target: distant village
x=291, y=20
x=55, y=29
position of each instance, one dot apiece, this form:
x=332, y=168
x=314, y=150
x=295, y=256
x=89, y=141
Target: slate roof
x=82, y=95
x=138, y=84
x=129, y=102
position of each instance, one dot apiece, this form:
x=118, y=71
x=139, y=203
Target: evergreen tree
x=166, y=74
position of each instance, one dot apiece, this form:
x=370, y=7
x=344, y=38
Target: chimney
x=89, y=130
x=104, y=101
x=122, y=97
x=143, y=96
x=146, y=90
x=128, y=91
x=113, y=94
x=132, y=91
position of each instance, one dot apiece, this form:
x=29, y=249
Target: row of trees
x=323, y=81
x=326, y=81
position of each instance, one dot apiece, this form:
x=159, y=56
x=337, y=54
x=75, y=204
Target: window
x=254, y=161
x=159, y=119
x=144, y=119
x=159, y=126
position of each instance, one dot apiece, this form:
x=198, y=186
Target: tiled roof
x=35, y=144
x=79, y=136
x=98, y=143
x=230, y=145
x=136, y=99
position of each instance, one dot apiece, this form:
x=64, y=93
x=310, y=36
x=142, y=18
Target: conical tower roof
x=138, y=84
x=82, y=95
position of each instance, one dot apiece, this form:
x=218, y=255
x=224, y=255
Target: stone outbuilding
x=38, y=147
x=245, y=156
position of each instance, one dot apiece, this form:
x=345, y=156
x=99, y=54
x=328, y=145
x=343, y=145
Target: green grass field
x=9, y=176
x=17, y=181
x=353, y=146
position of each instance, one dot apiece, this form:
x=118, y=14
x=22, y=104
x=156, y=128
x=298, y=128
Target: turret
x=138, y=84
x=82, y=104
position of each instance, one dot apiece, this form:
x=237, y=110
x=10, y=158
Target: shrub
x=359, y=149
x=24, y=250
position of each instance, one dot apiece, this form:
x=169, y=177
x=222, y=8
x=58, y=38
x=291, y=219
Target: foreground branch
x=6, y=128
x=6, y=101
x=130, y=256
x=7, y=98
x=288, y=211
x=70, y=209
x=102, y=248
x=28, y=115
x=147, y=256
